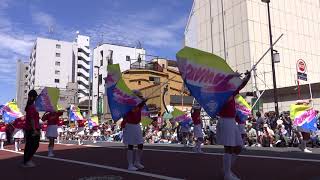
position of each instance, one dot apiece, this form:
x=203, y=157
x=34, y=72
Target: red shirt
x=81, y=123
x=44, y=127
x=229, y=109
x=3, y=127
x=196, y=117
x=61, y=122
x=134, y=116
x=19, y=123
x=52, y=117
x=32, y=115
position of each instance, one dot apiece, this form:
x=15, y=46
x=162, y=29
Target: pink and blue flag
x=47, y=100
x=120, y=98
x=75, y=114
x=304, y=116
x=243, y=109
x=208, y=77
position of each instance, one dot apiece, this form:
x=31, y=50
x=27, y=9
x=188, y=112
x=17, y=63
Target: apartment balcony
x=154, y=66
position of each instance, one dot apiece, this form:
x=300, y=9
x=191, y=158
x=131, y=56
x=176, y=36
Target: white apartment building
x=237, y=30
x=103, y=55
x=55, y=63
x=22, y=84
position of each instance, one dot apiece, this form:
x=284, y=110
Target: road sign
x=301, y=66
x=302, y=76
x=301, y=70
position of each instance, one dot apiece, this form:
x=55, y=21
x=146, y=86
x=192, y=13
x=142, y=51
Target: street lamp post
x=275, y=93
x=98, y=104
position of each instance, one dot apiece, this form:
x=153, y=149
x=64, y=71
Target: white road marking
x=215, y=154
x=102, y=166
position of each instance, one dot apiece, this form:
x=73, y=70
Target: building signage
x=301, y=70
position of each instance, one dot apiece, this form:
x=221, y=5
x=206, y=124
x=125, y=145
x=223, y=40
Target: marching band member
x=80, y=131
x=132, y=134
x=52, y=119
x=228, y=133
x=18, y=133
x=197, y=130
x=3, y=135
x=60, y=130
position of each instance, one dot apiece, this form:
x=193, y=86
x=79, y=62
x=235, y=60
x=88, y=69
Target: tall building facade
x=83, y=67
x=103, y=55
x=61, y=64
x=237, y=30
x=22, y=84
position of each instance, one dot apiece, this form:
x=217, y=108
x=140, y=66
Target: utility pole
x=275, y=93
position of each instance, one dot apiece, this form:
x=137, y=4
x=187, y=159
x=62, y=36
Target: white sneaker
x=16, y=150
x=132, y=168
x=271, y=145
x=138, y=165
x=307, y=150
x=50, y=154
x=258, y=145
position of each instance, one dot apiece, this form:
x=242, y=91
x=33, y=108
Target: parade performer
x=197, y=130
x=228, y=133
x=3, y=135
x=302, y=132
x=44, y=127
x=60, y=130
x=132, y=134
x=80, y=130
x=96, y=133
x=32, y=129
x=18, y=133
x=52, y=119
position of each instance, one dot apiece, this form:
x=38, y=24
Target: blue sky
x=157, y=24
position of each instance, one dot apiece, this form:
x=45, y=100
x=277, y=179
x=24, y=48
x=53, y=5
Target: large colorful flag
x=11, y=112
x=74, y=113
x=93, y=121
x=179, y=115
x=304, y=117
x=243, y=109
x=47, y=100
x=120, y=98
x=208, y=77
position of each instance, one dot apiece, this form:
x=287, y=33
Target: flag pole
x=255, y=65
x=163, y=83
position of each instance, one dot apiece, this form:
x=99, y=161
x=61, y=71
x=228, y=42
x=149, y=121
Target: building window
x=101, y=61
x=56, y=80
x=156, y=80
x=57, y=63
x=110, y=57
x=128, y=58
x=58, y=46
x=58, y=54
x=100, y=79
x=139, y=82
x=57, y=72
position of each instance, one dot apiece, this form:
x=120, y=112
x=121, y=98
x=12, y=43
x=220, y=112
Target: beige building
x=160, y=81
x=237, y=30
